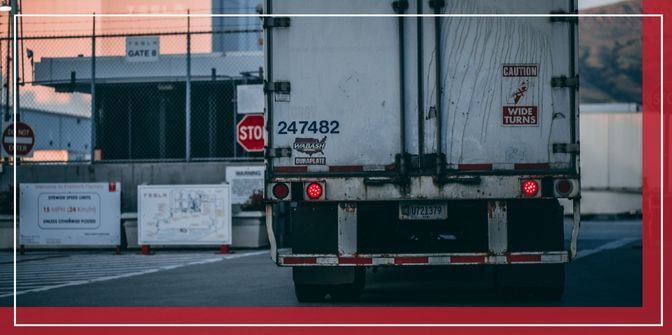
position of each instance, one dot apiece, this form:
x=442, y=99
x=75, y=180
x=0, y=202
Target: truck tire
x=343, y=284
x=309, y=293
x=349, y=292
x=543, y=282
x=537, y=226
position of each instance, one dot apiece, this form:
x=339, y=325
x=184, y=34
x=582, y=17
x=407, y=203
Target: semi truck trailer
x=421, y=133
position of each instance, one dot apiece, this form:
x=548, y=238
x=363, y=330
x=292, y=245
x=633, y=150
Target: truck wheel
x=309, y=293
x=349, y=292
x=554, y=286
x=549, y=294
x=345, y=293
x=543, y=282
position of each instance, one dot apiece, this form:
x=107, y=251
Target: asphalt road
x=607, y=273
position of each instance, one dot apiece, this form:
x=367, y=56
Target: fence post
x=94, y=123
x=234, y=106
x=187, y=126
x=8, y=98
x=15, y=68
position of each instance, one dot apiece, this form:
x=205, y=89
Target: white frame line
x=662, y=166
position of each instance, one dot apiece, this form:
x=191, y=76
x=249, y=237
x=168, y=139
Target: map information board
x=184, y=214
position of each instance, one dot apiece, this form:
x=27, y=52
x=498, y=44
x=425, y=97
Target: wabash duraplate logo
x=310, y=146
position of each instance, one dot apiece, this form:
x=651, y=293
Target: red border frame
x=649, y=313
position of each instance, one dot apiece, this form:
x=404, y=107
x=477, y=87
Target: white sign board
x=70, y=214
x=184, y=214
x=142, y=49
x=244, y=181
x=250, y=99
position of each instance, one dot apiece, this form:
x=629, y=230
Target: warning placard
x=520, y=95
x=520, y=115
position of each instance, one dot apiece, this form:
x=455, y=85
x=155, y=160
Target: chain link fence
x=126, y=96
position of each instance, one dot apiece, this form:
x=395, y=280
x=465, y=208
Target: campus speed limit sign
x=250, y=132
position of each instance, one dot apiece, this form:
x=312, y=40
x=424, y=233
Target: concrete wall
x=130, y=175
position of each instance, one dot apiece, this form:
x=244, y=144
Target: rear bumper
x=285, y=258
x=346, y=250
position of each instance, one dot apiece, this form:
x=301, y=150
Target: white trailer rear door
x=500, y=101
x=342, y=113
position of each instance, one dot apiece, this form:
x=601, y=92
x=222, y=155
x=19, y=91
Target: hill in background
x=610, y=54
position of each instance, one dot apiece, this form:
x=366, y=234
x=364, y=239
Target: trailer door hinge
x=276, y=22
x=437, y=4
x=559, y=16
x=280, y=87
x=400, y=6
x=564, y=81
x=565, y=148
x=278, y=152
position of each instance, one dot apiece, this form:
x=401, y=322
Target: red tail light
x=314, y=191
x=530, y=188
x=281, y=190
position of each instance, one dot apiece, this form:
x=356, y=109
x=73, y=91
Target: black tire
x=548, y=294
x=309, y=293
x=540, y=282
x=535, y=225
x=345, y=293
x=349, y=292
x=554, y=287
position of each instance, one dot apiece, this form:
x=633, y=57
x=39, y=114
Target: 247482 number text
x=305, y=127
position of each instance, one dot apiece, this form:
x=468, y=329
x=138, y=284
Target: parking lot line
x=608, y=246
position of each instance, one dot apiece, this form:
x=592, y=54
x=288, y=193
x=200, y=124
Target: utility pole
x=187, y=98
x=94, y=119
x=8, y=113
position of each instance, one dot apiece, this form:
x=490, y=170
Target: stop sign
x=250, y=132
x=25, y=139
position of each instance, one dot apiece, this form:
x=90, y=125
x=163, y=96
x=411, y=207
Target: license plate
x=423, y=211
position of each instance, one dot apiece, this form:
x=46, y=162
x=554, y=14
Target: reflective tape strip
x=382, y=261
x=425, y=259
x=362, y=168
x=411, y=260
x=290, y=169
x=299, y=260
x=554, y=258
x=523, y=258
x=477, y=259
x=355, y=260
x=346, y=168
x=531, y=166
x=327, y=260
x=475, y=167
x=439, y=260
